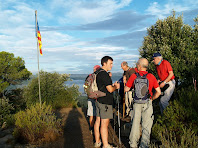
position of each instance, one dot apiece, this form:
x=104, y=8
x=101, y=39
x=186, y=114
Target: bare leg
x=96, y=129
x=92, y=121
x=104, y=131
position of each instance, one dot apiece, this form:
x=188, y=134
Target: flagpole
x=38, y=60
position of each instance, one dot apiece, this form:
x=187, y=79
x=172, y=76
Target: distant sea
x=79, y=80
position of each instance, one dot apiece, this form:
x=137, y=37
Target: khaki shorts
x=104, y=111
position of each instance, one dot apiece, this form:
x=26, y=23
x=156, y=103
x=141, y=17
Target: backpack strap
x=97, y=72
x=138, y=75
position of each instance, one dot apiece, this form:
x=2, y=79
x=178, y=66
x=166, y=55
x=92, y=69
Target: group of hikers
x=140, y=89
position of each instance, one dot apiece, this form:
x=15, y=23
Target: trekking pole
x=114, y=124
x=118, y=117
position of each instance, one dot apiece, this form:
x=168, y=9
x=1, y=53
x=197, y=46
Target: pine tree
x=12, y=70
x=177, y=42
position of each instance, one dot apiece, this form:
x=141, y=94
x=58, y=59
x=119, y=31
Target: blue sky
x=76, y=34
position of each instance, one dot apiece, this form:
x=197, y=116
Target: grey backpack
x=141, y=85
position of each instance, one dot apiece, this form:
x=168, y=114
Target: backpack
x=91, y=88
x=141, y=85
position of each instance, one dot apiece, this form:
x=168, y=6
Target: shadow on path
x=73, y=137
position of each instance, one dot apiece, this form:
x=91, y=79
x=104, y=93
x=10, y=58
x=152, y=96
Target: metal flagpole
x=38, y=59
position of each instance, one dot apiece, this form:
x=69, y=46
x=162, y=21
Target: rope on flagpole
x=38, y=60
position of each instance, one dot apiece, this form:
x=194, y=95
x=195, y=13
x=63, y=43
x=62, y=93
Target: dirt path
x=76, y=130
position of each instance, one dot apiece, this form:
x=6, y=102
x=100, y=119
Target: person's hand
x=158, y=81
x=162, y=85
x=117, y=84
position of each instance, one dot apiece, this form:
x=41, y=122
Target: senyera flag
x=38, y=35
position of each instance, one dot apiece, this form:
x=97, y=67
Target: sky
x=76, y=34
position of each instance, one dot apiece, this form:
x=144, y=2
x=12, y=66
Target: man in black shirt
x=104, y=105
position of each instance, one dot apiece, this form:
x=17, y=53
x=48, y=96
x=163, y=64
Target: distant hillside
x=115, y=76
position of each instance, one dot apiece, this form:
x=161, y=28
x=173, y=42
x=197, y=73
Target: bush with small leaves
x=173, y=124
x=174, y=119
x=188, y=98
x=53, y=90
x=188, y=139
x=37, y=125
x=5, y=111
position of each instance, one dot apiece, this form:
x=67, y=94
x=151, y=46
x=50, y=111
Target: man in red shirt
x=143, y=112
x=166, y=76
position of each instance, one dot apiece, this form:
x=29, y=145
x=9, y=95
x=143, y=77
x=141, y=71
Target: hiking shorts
x=91, y=110
x=104, y=111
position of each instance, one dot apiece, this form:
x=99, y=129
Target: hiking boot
x=97, y=144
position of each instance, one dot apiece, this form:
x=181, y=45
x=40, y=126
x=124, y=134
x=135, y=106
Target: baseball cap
x=157, y=54
x=96, y=67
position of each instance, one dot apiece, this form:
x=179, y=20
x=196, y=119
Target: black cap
x=157, y=54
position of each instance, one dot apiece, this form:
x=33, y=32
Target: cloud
x=77, y=34
x=122, y=20
x=90, y=11
x=189, y=16
x=162, y=11
x=18, y=14
x=131, y=40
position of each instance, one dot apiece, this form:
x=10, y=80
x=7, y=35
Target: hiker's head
x=142, y=64
x=96, y=67
x=107, y=63
x=124, y=65
x=157, y=57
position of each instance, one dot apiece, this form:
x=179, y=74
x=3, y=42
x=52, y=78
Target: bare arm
x=157, y=93
x=169, y=76
x=112, y=88
x=126, y=88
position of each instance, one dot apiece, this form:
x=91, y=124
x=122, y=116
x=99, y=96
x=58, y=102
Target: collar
x=160, y=62
x=143, y=72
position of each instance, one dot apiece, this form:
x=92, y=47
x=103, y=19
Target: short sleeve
x=105, y=78
x=169, y=67
x=155, y=83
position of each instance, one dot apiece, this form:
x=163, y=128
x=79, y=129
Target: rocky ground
x=6, y=138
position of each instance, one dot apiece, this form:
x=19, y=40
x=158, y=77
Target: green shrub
x=188, y=98
x=178, y=126
x=188, y=139
x=53, y=90
x=37, y=125
x=16, y=99
x=174, y=119
x=5, y=111
x=67, y=98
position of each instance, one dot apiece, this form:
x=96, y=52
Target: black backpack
x=141, y=85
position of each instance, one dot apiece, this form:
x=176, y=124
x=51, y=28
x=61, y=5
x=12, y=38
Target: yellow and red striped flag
x=38, y=35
